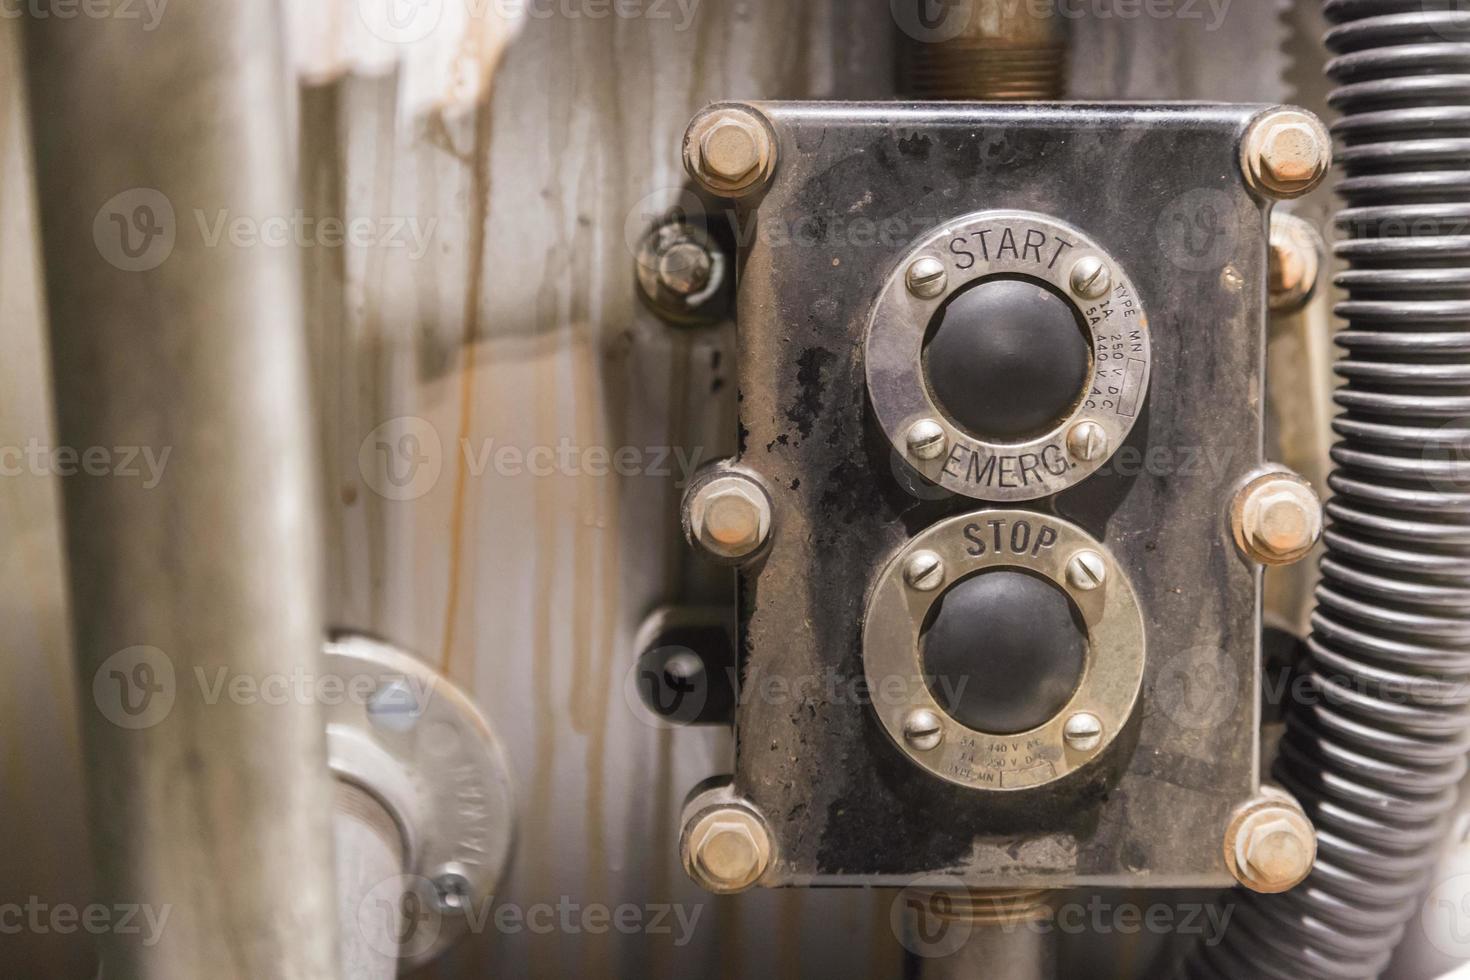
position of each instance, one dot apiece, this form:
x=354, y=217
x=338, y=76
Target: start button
x=1008, y=359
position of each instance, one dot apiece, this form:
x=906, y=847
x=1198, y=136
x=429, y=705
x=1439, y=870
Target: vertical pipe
x=164, y=179
x=985, y=50
x=999, y=934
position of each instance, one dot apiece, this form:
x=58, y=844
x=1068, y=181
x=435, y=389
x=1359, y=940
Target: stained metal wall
x=530, y=155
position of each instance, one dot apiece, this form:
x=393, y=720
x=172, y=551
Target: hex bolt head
x=684, y=268
x=1087, y=571
x=922, y=729
x=1296, y=262
x=729, y=150
x=1083, y=731
x=1087, y=441
x=1286, y=153
x=727, y=849
x=1277, y=519
x=680, y=272
x=1271, y=845
x=926, y=440
x=924, y=571
x=1091, y=278
x=729, y=517
x=926, y=277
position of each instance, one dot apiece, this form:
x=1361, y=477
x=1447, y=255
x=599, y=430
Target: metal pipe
x=990, y=934
x=370, y=880
x=987, y=50
x=165, y=175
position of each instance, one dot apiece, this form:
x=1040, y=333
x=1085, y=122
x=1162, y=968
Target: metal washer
x=986, y=245
x=894, y=670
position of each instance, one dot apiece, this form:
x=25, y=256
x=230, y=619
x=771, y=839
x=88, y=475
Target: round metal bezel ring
x=988, y=245
x=1112, y=678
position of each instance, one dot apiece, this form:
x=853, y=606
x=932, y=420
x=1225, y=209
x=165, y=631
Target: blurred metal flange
x=410, y=738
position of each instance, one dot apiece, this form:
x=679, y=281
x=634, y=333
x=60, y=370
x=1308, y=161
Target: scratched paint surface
x=521, y=151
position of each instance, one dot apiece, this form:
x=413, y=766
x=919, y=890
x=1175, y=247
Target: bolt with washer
x=1270, y=845
x=680, y=272
x=729, y=150
x=727, y=849
x=1296, y=263
x=1277, y=519
x=1286, y=153
x=729, y=517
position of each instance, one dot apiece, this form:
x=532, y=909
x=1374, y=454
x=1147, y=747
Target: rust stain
x=541, y=813
x=476, y=274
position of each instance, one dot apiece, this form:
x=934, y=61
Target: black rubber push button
x=1004, y=651
x=1007, y=359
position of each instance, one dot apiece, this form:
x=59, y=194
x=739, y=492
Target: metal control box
x=829, y=308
